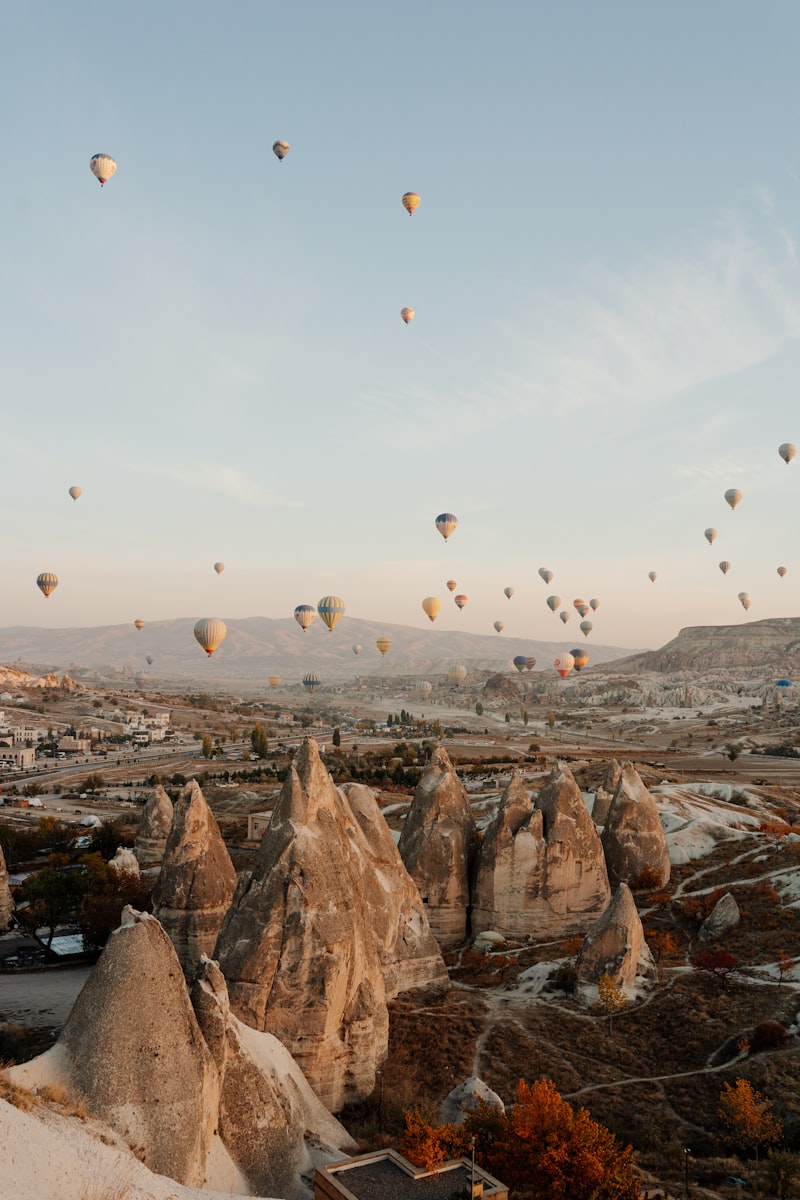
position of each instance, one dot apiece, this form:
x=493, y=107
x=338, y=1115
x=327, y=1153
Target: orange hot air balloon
x=782, y=571
x=461, y=602
x=138, y=624
x=411, y=203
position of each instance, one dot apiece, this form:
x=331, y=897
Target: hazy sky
x=603, y=266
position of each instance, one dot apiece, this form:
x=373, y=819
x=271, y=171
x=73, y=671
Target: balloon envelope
x=565, y=615
x=357, y=648
x=531, y=663
x=280, y=150
x=594, y=605
x=383, y=644
x=499, y=626
x=744, y=600
x=102, y=167
x=148, y=658
x=520, y=662
x=75, y=492
x=709, y=534
x=457, y=673
x=446, y=523
x=553, y=602
x=724, y=567
x=210, y=633
x=219, y=568
x=304, y=614
x=652, y=576
x=407, y=314
x=564, y=664
x=581, y=658
x=311, y=681
x=586, y=628
x=274, y=681
x=424, y=687
x=733, y=496
x=138, y=623
x=411, y=202
x=452, y=584
x=508, y=592
x=431, y=606
x=545, y=574
x=331, y=609
x=461, y=602
x=47, y=582
x=782, y=571
x=787, y=451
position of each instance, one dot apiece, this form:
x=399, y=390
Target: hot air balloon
x=581, y=658
x=499, y=626
x=564, y=664
x=545, y=574
x=407, y=314
x=331, y=609
x=586, y=628
x=709, y=534
x=553, y=602
x=508, y=592
x=652, y=576
x=782, y=571
x=75, y=492
x=744, y=600
x=446, y=523
x=520, y=662
x=582, y=609
x=411, y=203
x=783, y=683
x=311, y=681
x=531, y=663
x=138, y=624
x=565, y=615
x=280, y=150
x=724, y=567
x=274, y=681
x=46, y=583
x=594, y=605
x=424, y=687
x=219, y=568
x=733, y=496
x=304, y=614
x=457, y=674
x=148, y=658
x=383, y=644
x=210, y=633
x=787, y=451
x=431, y=606
x=579, y=603
x=357, y=648
x=102, y=167
x=461, y=602
x=452, y=584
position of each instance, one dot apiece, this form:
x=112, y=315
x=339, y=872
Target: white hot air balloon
x=652, y=576
x=744, y=600
x=357, y=648
x=545, y=574
x=787, y=451
x=102, y=167
x=733, y=496
x=499, y=626
x=710, y=534
x=565, y=615
x=219, y=568
x=508, y=592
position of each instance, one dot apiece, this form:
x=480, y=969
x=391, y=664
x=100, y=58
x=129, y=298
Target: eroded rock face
x=605, y=793
x=197, y=880
x=466, y=1098
x=135, y=1051
x=272, y=1124
x=6, y=899
x=723, y=917
x=616, y=946
x=297, y=946
x=154, y=827
x=124, y=860
x=438, y=846
x=633, y=837
x=511, y=862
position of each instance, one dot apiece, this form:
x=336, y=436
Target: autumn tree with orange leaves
x=541, y=1148
x=748, y=1117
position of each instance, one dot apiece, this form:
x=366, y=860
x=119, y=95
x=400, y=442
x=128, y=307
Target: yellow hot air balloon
x=652, y=576
x=499, y=626
x=383, y=644
x=219, y=568
x=744, y=600
x=331, y=609
x=138, y=624
x=431, y=606
x=461, y=602
x=75, y=492
x=733, y=496
x=210, y=633
x=508, y=592
x=47, y=582
x=782, y=571
x=102, y=167
x=452, y=584
x=580, y=657
x=407, y=314
x=280, y=150
x=274, y=681
x=411, y=202
x=724, y=567
x=710, y=534
x=787, y=451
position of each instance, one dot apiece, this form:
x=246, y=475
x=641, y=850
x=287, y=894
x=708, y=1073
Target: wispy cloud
x=224, y=480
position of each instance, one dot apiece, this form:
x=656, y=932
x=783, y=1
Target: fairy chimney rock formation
x=154, y=827
x=605, y=793
x=575, y=877
x=633, y=837
x=615, y=946
x=511, y=861
x=438, y=845
x=132, y=1047
x=466, y=1098
x=724, y=916
x=298, y=946
x=6, y=899
x=124, y=860
x=197, y=880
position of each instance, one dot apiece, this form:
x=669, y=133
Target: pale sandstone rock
x=633, y=838
x=6, y=899
x=466, y=1098
x=154, y=827
x=605, y=793
x=124, y=861
x=723, y=917
x=511, y=864
x=197, y=880
x=438, y=846
x=616, y=946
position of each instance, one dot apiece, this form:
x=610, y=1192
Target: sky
x=604, y=271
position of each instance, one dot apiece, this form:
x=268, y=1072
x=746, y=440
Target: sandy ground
x=36, y=998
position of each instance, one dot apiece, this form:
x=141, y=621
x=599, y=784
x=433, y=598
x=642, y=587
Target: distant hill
x=773, y=644
x=259, y=646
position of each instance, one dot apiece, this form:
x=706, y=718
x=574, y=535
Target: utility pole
x=686, y=1154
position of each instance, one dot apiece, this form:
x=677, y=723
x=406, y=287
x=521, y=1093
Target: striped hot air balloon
x=331, y=610
x=446, y=524
x=210, y=633
x=47, y=583
x=102, y=167
x=411, y=202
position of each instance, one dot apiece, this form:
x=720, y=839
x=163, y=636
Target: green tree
x=93, y=783
x=479, y=709
x=525, y=716
x=259, y=741
x=53, y=897
x=207, y=749
x=337, y=737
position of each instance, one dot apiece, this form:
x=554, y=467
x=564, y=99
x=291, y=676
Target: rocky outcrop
x=605, y=793
x=723, y=917
x=466, y=1098
x=298, y=946
x=438, y=845
x=124, y=861
x=633, y=837
x=197, y=880
x=273, y=1126
x=6, y=899
x=511, y=862
x=615, y=946
x=154, y=827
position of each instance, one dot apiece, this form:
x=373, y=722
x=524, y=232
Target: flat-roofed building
x=385, y=1175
